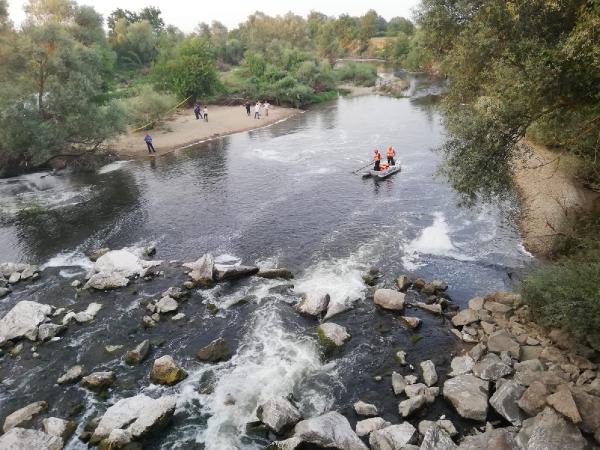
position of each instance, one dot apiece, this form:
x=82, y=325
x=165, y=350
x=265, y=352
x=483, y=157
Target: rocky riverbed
x=508, y=384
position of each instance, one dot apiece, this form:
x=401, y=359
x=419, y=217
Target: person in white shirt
x=206, y=113
x=257, y=110
x=266, y=107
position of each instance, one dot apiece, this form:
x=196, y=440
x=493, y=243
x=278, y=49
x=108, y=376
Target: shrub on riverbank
x=358, y=73
x=148, y=106
x=566, y=292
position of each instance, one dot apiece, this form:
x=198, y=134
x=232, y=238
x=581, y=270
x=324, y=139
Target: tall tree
x=517, y=68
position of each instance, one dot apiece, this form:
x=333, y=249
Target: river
x=282, y=195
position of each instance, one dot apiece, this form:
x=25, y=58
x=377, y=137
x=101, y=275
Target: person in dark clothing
x=377, y=159
x=197, y=110
x=148, y=140
x=247, y=105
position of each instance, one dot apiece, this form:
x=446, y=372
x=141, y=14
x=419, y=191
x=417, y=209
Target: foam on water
x=272, y=361
x=69, y=259
x=112, y=167
x=433, y=240
x=340, y=278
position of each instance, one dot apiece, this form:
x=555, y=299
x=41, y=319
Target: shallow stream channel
x=280, y=196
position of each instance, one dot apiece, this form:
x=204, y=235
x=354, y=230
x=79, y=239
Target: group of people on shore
x=259, y=108
x=391, y=154
x=201, y=113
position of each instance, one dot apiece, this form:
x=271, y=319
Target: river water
x=283, y=195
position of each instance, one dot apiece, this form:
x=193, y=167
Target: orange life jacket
x=377, y=156
x=391, y=152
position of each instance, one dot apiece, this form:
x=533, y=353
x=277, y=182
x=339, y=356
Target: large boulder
x=24, y=415
x=461, y=365
x=166, y=304
x=72, y=375
x=465, y=317
x=589, y=409
x=332, y=335
x=533, y=400
x=278, y=414
x=138, y=415
x=23, y=320
x=398, y=383
x=216, y=351
x=365, y=409
x=59, y=427
x=115, y=268
x=389, y=299
x=469, y=396
x=549, y=430
x=491, y=367
x=502, y=341
x=229, y=273
x=505, y=400
x=136, y=355
x=23, y=439
x=563, y=402
x=393, y=437
x=202, y=270
x=331, y=430
x=103, y=281
x=165, y=371
x=410, y=406
x=437, y=439
x=313, y=303
x=429, y=373
x=98, y=380
x=367, y=426
x=498, y=439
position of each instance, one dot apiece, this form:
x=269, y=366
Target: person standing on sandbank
x=206, y=113
x=148, y=140
x=247, y=105
x=197, y=110
x=257, y=110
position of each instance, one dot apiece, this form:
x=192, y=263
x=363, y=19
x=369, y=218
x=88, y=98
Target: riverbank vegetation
x=67, y=85
x=526, y=69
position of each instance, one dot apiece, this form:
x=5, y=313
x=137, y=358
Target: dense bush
x=361, y=74
x=565, y=294
x=191, y=71
x=148, y=106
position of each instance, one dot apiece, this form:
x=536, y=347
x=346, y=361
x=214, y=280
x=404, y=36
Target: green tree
x=398, y=25
x=190, y=72
x=51, y=108
x=516, y=67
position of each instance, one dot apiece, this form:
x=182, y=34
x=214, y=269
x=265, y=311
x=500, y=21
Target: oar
x=363, y=167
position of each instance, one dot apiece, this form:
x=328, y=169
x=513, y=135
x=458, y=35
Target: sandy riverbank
x=548, y=194
x=182, y=129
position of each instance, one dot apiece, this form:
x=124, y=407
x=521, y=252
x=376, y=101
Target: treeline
x=517, y=69
x=526, y=69
x=67, y=85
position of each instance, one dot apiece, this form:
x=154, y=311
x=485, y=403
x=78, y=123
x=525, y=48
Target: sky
x=186, y=15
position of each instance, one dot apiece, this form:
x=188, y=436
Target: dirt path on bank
x=549, y=194
x=182, y=129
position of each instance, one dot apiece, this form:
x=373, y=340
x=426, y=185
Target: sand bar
x=182, y=129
